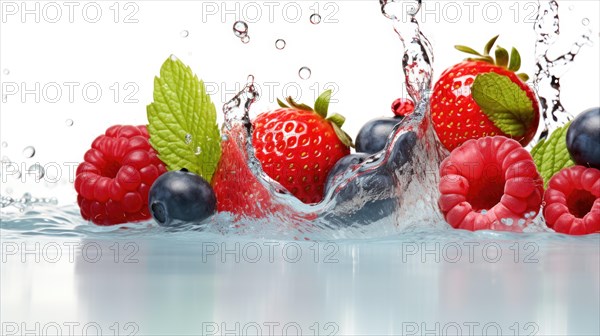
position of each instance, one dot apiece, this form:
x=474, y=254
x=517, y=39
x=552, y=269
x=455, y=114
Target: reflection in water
x=190, y=283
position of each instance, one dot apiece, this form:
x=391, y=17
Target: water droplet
x=521, y=222
x=188, y=139
x=483, y=212
x=304, y=73
x=527, y=215
x=4, y=144
x=245, y=39
x=315, y=18
x=571, y=7
x=198, y=151
x=37, y=171
x=184, y=33
x=585, y=21
x=6, y=71
x=29, y=152
x=280, y=44
x=240, y=29
x=509, y=221
x=224, y=137
x=69, y=122
x=173, y=58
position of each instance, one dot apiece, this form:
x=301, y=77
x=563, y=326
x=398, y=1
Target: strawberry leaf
x=489, y=45
x=322, y=103
x=515, y=60
x=524, y=77
x=183, y=121
x=467, y=50
x=343, y=136
x=551, y=155
x=281, y=104
x=299, y=106
x=501, y=57
x=503, y=102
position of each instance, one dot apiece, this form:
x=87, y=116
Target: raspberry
x=114, y=180
x=487, y=182
x=572, y=201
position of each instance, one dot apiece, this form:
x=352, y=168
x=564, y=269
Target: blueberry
x=181, y=196
x=375, y=182
x=343, y=164
x=373, y=136
x=583, y=138
x=402, y=150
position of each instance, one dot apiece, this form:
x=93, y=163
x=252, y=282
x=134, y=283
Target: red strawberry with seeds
x=114, y=180
x=484, y=97
x=236, y=188
x=489, y=183
x=297, y=146
x=572, y=201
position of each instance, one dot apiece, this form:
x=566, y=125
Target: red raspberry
x=572, y=201
x=114, y=180
x=490, y=183
x=403, y=107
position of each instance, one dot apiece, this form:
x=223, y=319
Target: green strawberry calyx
x=512, y=63
x=321, y=108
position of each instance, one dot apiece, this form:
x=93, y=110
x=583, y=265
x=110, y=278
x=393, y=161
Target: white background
x=354, y=49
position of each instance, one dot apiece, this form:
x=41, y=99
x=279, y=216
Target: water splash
x=550, y=69
x=409, y=164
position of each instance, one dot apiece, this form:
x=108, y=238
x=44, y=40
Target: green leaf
x=524, y=77
x=515, y=60
x=551, y=155
x=281, y=104
x=503, y=102
x=467, y=50
x=183, y=121
x=322, y=103
x=489, y=45
x=501, y=57
x=343, y=136
x=486, y=59
x=337, y=119
x=299, y=106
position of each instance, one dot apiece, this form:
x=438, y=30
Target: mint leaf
x=504, y=102
x=551, y=155
x=183, y=121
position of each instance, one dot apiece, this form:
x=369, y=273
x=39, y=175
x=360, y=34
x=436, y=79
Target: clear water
x=405, y=273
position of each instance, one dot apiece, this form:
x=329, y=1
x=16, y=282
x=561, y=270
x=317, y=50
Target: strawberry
x=298, y=145
x=484, y=97
x=237, y=189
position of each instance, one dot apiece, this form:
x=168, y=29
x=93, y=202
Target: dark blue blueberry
x=181, y=196
x=373, y=136
x=583, y=138
x=378, y=184
x=402, y=150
